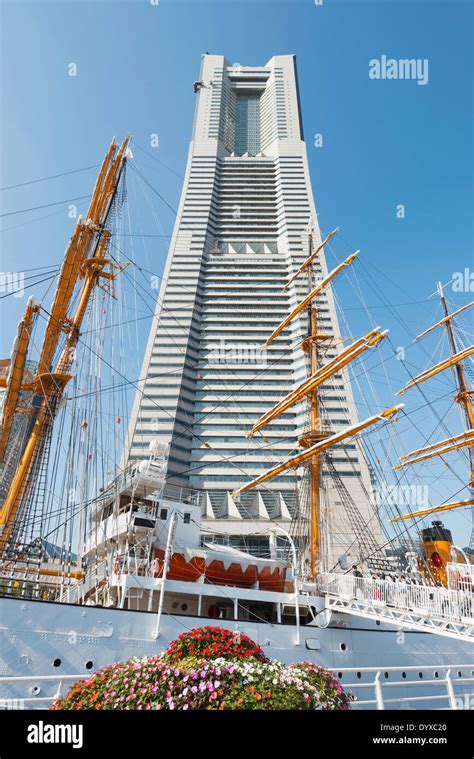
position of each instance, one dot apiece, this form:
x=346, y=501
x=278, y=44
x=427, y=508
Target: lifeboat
x=222, y=567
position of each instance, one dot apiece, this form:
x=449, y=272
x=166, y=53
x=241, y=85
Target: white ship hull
x=39, y=638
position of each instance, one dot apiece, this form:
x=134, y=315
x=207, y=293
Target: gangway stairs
x=424, y=608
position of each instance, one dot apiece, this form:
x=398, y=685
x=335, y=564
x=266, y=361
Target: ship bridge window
x=124, y=504
x=306, y=614
x=257, y=612
x=164, y=514
x=107, y=511
x=187, y=518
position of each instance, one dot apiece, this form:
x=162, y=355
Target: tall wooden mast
x=316, y=440
x=85, y=259
x=310, y=345
x=464, y=395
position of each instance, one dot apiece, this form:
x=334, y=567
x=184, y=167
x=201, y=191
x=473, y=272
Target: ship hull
x=39, y=638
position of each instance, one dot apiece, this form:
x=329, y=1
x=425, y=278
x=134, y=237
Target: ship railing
x=37, y=580
x=94, y=574
x=167, y=492
x=436, y=687
x=182, y=494
x=460, y=576
x=126, y=563
x=29, y=589
x=422, y=599
x=134, y=472
x=33, y=698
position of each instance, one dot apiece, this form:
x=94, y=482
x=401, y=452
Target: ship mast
x=310, y=345
x=315, y=441
x=86, y=259
x=464, y=395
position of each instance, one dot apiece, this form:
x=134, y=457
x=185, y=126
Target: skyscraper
x=240, y=234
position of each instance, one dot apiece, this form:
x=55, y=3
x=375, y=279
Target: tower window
x=247, y=124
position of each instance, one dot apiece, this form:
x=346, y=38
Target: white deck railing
x=460, y=576
x=440, y=687
x=424, y=599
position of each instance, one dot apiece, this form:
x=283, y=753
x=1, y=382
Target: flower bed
x=331, y=694
x=211, y=643
x=245, y=680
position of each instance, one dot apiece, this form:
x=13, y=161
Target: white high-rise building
x=240, y=234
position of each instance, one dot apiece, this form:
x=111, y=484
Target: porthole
x=359, y=675
x=386, y=675
x=57, y=663
x=420, y=675
x=89, y=664
x=343, y=646
x=184, y=607
x=377, y=622
x=339, y=674
x=459, y=674
x=404, y=674
x=436, y=674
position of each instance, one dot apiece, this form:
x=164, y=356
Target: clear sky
x=386, y=143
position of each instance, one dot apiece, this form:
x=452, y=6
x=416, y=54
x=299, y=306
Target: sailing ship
x=87, y=580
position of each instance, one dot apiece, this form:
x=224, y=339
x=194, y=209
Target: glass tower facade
x=247, y=124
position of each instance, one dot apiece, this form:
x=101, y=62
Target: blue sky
x=385, y=143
